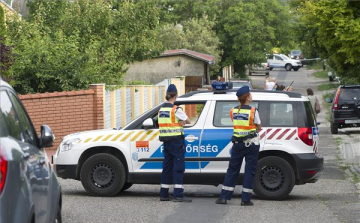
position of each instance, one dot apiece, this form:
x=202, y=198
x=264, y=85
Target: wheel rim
x=272, y=178
x=102, y=175
x=288, y=67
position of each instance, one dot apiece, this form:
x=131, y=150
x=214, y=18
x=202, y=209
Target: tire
x=288, y=67
x=126, y=186
x=58, y=218
x=103, y=175
x=334, y=128
x=275, y=178
x=296, y=69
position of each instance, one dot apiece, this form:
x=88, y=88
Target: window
x=9, y=117
x=29, y=131
x=278, y=58
x=281, y=114
x=222, y=112
x=192, y=109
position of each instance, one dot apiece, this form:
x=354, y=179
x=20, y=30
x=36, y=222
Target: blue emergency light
x=218, y=85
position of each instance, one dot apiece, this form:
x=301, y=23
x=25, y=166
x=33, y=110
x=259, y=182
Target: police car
x=110, y=161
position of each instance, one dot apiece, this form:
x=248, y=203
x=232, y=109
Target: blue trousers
x=173, y=167
x=239, y=151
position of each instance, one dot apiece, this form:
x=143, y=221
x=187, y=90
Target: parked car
x=296, y=54
x=282, y=61
x=112, y=160
x=238, y=83
x=262, y=68
x=345, y=108
x=29, y=189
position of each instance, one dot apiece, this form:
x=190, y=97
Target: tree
x=5, y=51
x=332, y=29
x=67, y=46
x=246, y=29
x=194, y=34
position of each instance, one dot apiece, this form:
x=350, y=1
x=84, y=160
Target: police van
x=112, y=160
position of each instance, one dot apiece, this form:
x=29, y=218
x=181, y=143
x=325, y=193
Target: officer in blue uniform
x=171, y=120
x=245, y=144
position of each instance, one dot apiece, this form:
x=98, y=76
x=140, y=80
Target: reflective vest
x=243, y=120
x=168, y=123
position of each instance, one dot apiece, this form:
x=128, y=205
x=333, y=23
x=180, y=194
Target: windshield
x=284, y=57
x=240, y=84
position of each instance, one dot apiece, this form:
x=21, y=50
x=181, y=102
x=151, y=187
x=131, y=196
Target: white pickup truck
x=282, y=61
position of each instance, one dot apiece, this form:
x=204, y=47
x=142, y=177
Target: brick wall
x=67, y=112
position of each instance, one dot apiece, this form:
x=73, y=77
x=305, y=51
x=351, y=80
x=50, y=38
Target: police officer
x=245, y=144
x=171, y=120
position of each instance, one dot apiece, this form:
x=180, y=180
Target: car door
x=147, y=150
x=39, y=165
x=215, y=145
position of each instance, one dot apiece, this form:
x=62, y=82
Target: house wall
x=157, y=69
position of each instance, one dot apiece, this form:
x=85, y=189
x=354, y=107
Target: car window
x=349, y=94
x=310, y=114
x=29, y=131
x=281, y=113
x=10, y=117
x=278, y=57
x=222, y=112
x=240, y=84
x=191, y=109
x=3, y=125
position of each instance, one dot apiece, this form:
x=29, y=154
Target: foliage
x=194, y=34
x=332, y=29
x=246, y=29
x=67, y=46
x=2, y=23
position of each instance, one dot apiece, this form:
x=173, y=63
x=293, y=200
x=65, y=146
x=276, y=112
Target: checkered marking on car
x=149, y=135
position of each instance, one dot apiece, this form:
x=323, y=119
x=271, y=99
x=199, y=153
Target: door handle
x=191, y=138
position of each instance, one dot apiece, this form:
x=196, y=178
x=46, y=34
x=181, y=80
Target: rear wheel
x=103, y=175
x=288, y=67
x=334, y=128
x=274, y=179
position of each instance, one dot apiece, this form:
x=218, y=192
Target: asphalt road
x=334, y=198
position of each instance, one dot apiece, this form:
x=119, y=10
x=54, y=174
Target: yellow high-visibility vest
x=168, y=123
x=243, y=120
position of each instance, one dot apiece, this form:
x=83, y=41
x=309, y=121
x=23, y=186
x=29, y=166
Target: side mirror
x=148, y=123
x=328, y=100
x=46, y=137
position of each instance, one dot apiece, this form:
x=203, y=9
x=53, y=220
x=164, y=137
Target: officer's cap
x=171, y=88
x=243, y=90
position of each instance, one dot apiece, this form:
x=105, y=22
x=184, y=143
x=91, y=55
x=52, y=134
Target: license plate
x=351, y=121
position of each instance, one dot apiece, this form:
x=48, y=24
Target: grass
x=315, y=65
x=327, y=86
x=321, y=74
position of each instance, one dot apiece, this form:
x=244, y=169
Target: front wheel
x=275, y=178
x=103, y=175
x=288, y=67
